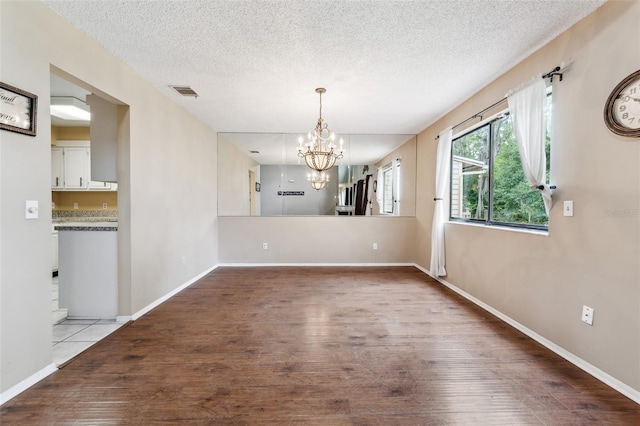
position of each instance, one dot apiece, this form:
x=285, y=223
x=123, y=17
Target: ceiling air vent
x=185, y=91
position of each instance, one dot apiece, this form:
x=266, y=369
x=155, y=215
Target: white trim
x=123, y=318
x=591, y=369
x=169, y=295
x=27, y=383
x=233, y=265
x=514, y=228
x=72, y=143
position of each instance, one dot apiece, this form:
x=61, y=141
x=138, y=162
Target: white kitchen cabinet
x=57, y=168
x=76, y=174
x=99, y=186
x=71, y=168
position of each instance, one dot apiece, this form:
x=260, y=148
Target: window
x=387, y=190
x=487, y=181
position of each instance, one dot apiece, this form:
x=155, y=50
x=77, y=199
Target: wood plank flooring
x=319, y=346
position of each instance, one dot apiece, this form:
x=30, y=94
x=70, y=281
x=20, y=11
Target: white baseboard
x=607, y=379
x=27, y=383
x=123, y=318
x=169, y=295
x=313, y=264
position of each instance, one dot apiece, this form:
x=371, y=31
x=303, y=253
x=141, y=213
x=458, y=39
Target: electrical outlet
x=75, y=206
x=568, y=208
x=184, y=259
x=264, y=246
x=587, y=315
x=375, y=246
x=104, y=206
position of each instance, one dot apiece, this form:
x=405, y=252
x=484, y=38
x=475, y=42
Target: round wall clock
x=622, y=110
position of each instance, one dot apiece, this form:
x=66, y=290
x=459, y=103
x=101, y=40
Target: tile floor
x=72, y=336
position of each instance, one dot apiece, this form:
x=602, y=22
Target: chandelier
x=318, y=180
x=320, y=151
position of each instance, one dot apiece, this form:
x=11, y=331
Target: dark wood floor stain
x=319, y=346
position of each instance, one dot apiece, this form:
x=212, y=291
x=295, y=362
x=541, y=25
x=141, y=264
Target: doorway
x=252, y=193
x=86, y=190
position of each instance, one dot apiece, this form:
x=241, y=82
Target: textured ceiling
x=390, y=67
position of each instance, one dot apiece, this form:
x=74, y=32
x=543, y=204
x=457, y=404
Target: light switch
x=31, y=209
x=568, y=208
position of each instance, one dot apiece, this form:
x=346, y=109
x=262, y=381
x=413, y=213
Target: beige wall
x=317, y=239
x=167, y=185
x=234, y=172
x=592, y=258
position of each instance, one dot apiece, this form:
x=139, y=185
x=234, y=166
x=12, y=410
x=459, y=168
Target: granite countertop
x=84, y=222
x=85, y=226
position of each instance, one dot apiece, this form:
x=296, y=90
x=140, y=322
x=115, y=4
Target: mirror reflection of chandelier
x=320, y=151
x=318, y=180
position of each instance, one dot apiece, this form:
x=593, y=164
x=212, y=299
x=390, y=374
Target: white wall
x=590, y=259
x=167, y=204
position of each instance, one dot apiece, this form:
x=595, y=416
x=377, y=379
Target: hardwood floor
x=319, y=346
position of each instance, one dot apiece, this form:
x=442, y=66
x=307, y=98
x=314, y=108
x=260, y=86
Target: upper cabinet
x=71, y=168
x=76, y=175
x=57, y=168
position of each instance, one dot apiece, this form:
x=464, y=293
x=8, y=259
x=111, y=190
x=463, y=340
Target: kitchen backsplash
x=85, y=215
x=85, y=200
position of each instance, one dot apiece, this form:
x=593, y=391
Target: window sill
x=538, y=232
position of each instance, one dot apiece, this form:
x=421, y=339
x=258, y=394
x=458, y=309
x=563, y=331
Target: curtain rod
x=549, y=75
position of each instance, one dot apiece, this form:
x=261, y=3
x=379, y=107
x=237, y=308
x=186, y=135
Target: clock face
x=626, y=108
x=622, y=110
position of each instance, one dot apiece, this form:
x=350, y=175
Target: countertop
x=85, y=225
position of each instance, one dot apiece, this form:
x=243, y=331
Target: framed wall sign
x=17, y=110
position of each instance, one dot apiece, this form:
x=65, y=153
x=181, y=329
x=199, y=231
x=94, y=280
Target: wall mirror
x=260, y=174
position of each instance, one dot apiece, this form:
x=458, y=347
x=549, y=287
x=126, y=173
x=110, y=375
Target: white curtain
x=527, y=106
x=441, y=201
x=379, y=188
x=396, y=186
x=369, y=209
